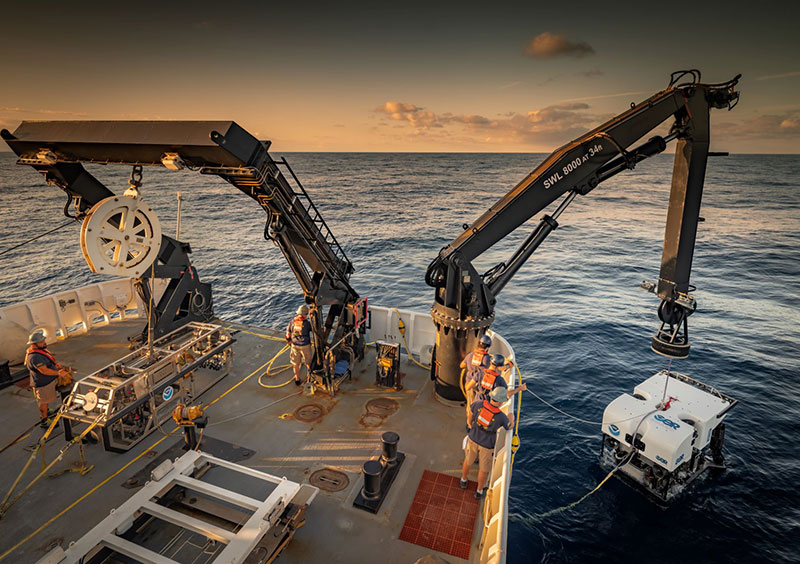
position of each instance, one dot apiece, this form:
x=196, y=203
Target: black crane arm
x=57, y=149
x=464, y=300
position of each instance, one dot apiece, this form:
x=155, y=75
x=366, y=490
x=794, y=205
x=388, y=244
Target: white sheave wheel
x=89, y=401
x=121, y=235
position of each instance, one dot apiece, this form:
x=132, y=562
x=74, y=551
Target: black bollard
x=389, y=441
x=372, y=479
x=379, y=474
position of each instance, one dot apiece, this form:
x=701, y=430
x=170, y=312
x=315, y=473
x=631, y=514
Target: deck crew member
x=44, y=372
x=473, y=365
x=492, y=378
x=484, y=422
x=298, y=336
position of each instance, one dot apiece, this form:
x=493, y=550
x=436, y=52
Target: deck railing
x=72, y=312
x=420, y=335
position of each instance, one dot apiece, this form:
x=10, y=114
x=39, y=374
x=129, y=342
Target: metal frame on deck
x=264, y=514
x=134, y=386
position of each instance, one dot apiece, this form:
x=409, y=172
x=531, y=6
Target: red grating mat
x=442, y=515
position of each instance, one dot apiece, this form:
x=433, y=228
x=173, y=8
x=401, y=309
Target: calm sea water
x=580, y=326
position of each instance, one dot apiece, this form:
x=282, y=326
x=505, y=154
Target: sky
x=400, y=76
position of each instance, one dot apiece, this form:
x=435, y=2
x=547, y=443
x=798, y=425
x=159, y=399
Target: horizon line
x=9, y=151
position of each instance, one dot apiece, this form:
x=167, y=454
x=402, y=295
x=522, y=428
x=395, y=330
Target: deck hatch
x=329, y=480
x=382, y=407
x=309, y=412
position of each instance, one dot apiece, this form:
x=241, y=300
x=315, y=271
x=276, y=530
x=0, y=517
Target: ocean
x=580, y=325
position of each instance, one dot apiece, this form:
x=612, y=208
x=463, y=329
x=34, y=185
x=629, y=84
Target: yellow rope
x=546, y=514
x=260, y=335
x=402, y=326
x=118, y=472
x=84, y=496
x=280, y=369
x=518, y=414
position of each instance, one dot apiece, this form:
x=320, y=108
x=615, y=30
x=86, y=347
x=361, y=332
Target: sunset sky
x=399, y=76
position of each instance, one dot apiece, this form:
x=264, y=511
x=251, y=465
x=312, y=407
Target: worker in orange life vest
x=474, y=364
x=492, y=378
x=298, y=337
x=484, y=422
x=44, y=372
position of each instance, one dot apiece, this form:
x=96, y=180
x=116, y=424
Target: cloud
x=418, y=117
x=784, y=125
x=784, y=75
x=548, y=45
x=552, y=124
x=46, y=112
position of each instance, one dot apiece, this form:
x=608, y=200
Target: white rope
x=255, y=410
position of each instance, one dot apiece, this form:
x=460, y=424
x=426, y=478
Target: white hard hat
x=36, y=337
x=499, y=394
x=302, y=310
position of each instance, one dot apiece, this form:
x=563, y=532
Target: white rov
x=671, y=421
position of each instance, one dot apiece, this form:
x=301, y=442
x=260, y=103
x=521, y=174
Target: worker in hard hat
x=45, y=372
x=492, y=378
x=484, y=421
x=473, y=366
x=298, y=336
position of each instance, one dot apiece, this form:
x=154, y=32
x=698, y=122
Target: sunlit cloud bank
x=784, y=125
x=548, y=45
x=554, y=123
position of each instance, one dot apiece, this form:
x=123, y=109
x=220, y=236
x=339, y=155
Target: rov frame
x=137, y=393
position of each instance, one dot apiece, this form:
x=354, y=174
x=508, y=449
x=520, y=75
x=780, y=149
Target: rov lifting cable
x=32, y=239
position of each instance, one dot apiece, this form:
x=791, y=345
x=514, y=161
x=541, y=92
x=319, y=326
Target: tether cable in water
x=32, y=239
x=623, y=462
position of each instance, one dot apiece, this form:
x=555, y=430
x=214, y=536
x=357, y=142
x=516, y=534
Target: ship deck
x=61, y=509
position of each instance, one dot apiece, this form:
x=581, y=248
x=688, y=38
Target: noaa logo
x=614, y=430
x=668, y=422
x=168, y=392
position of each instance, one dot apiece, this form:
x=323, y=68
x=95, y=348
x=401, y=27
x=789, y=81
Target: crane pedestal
x=454, y=339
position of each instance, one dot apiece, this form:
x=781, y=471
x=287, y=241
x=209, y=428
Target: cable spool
x=121, y=235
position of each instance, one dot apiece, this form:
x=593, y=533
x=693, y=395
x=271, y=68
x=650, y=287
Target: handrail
x=72, y=312
x=420, y=336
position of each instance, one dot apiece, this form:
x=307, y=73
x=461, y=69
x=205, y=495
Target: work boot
x=45, y=423
x=91, y=438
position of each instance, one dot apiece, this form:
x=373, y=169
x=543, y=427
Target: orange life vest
x=45, y=352
x=487, y=413
x=297, y=325
x=477, y=357
x=489, y=376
